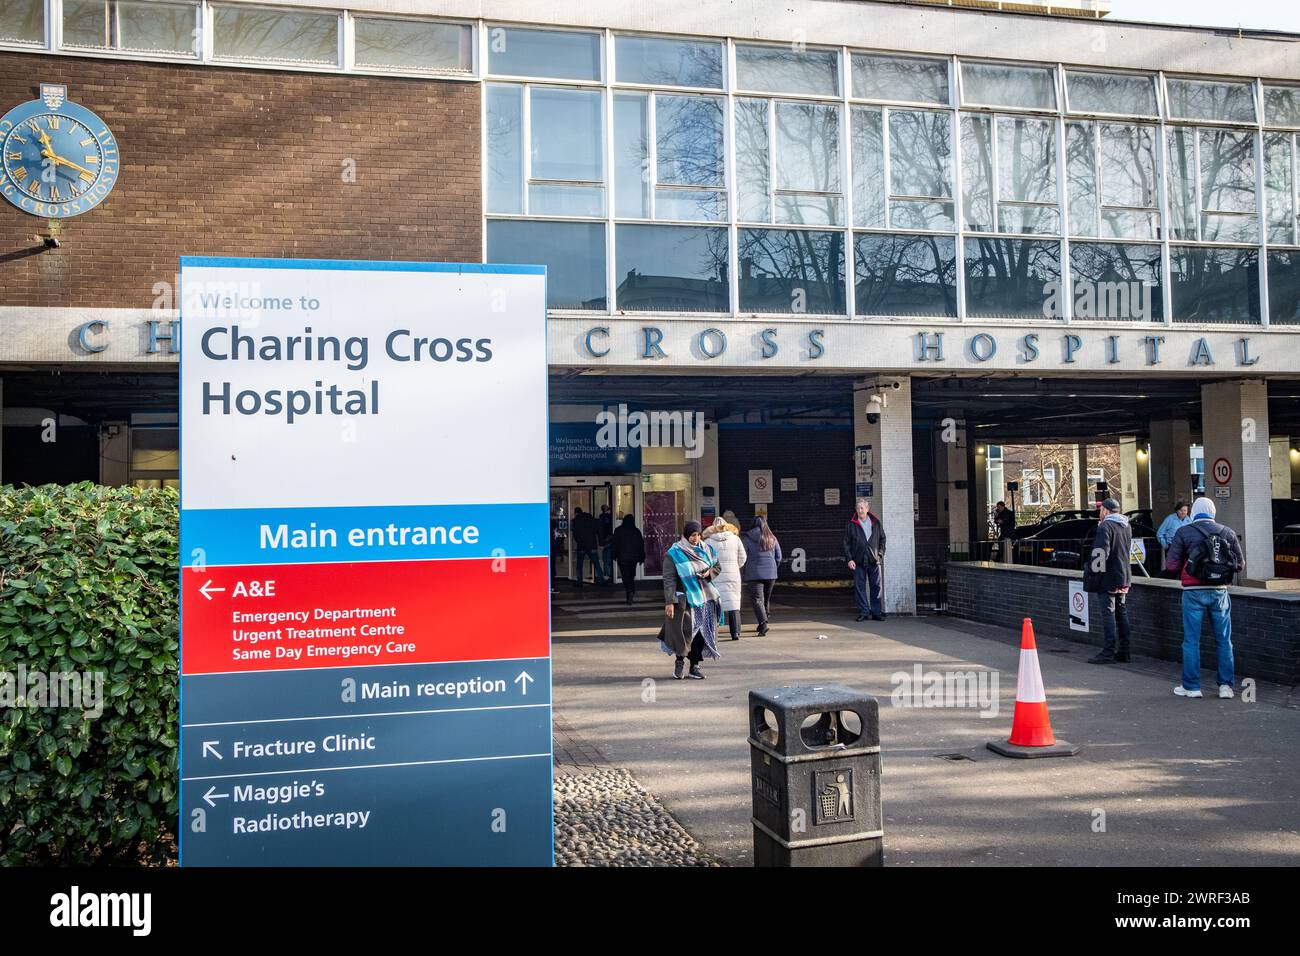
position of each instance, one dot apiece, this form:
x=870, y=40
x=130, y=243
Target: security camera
x=875, y=405
x=895, y=384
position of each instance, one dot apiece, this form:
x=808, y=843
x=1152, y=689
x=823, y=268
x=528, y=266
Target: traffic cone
x=1031, y=731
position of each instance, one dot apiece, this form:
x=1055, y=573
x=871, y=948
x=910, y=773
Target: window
x=1007, y=86
x=686, y=155
x=791, y=270
x=1122, y=94
x=1010, y=188
x=1116, y=281
x=671, y=268
x=1037, y=487
x=918, y=192
x=1212, y=185
x=1280, y=155
x=905, y=275
x=130, y=25
x=1284, y=287
x=655, y=61
x=284, y=36
x=1214, y=286
x=783, y=69
x=1010, y=278
x=900, y=79
x=23, y=21
x=383, y=44
x=1282, y=105
x=1212, y=100
x=573, y=253
x=800, y=144
x=554, y=54
x=155, y=457
x=1110, y=180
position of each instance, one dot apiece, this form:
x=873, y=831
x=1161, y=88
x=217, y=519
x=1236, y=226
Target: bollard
x=815, y=762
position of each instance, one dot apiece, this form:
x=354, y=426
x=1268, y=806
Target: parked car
x=1055, y=518
x=1286, y=512
x=1064, y=544
x=1141, y=516
x=1286, y=552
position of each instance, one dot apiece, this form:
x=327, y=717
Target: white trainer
x=1225, y=691
x=1182, y=691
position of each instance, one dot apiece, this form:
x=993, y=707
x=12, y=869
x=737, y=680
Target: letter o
x=703, y=342
x=983, y=347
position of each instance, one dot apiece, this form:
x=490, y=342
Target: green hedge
x=88, y=583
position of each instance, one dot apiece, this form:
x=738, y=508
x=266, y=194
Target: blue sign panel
x=577, y=449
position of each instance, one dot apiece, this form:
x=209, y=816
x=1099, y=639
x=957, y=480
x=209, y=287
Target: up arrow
x=212, y=792
x=526, y=678
x=207, y=586
x=211, y=745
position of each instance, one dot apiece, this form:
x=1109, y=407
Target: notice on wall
x=789, y=484
x=363, y=488
x=1078, y=609
x=831, y=496
x=760, y=486
x=864, y=464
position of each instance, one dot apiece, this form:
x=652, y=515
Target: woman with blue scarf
x=691, y=608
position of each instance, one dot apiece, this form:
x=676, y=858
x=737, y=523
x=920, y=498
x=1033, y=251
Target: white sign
x=789, y=484
x=1137, y=552
x=1078, y=609
x=760, y=487
x=863, y=464
x=1223, y=492
x=831, y=496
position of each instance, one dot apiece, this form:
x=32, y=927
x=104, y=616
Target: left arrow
x=212, y=796
x=211, y=746
x=207, y=586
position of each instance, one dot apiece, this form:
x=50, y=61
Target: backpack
x=1210, y=560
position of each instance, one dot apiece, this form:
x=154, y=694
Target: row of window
x=685, y=269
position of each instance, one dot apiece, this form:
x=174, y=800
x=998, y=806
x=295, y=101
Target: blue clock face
x=56, y=163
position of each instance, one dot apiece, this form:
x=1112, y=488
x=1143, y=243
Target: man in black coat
x=1107, y=574
x=629, y=551
x=863, y=545
x=586, y=541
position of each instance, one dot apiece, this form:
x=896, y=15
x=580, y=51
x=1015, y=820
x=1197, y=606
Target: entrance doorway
x=620, y=493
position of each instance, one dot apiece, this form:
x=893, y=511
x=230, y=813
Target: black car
x=1055, y=518
x=1064, y=543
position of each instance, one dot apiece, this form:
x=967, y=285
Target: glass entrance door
x=607, y=499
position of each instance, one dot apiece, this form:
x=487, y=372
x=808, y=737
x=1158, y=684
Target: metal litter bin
x=815, y=761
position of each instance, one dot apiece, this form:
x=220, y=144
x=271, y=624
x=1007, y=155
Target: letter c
x=598, y=330
x=95, y=326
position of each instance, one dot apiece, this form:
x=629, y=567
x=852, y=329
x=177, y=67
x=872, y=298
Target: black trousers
x=627, y=571
x=696, y=653
x=1114, y=624
x=760, y=595
x=733, y=622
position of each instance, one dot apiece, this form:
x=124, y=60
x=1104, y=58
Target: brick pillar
x=1234, y=417
x=890, y=439
x=1171, y=466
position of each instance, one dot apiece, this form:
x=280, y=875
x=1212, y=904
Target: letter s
x=815, y=347
x=463, y=352
x=484, y=352
x=768, y=337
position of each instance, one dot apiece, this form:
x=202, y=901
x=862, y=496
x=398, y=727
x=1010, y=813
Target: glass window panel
x=1214, y=285
x=1228, y=186
x=573, y=253
x=1017, y=87
x=977, y=172
x=253, y=33
x=672, y=269
x=1117, y=280
x=1282, y=105
x=1010, y=278
x=412, y=44
x=753, y=161
x=1211, y=100
x=688, y=134
x=86, y=23
x=920, y=154
x=562, y=54
x=505, y=140
x=921, y=214
x=158, y=27
x=1279, y=187
x=808, y=161
x=901, y=79
x=780, y=69
x=1284, y=287
x=808, y=210
x=1026, y=160
x=699, y=205
x=562, y=199
x=23, y=21
x=632, y=155
x=791, y=271
x=660, y=61
x=1111, y=93
x=905, y=275
x=1081, y=187
x=1128, y=165
x=567, y=135
x=1032, y=219
x=1182, y=182
x=868, y=167
x=155, y=449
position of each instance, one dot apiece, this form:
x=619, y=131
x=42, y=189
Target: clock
x=57, y=158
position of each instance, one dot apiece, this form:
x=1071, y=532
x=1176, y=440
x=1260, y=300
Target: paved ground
x=1180, y=782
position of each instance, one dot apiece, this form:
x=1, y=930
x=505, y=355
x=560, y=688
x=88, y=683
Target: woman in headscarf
x=764, y=553
x=691, y=612
x=724, y=538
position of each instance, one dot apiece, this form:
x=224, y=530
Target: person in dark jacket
x=629, y=551
x=586, y=541
x=760, y=568
x=606, y=523
x=1106, y=573
x=863, y=545
x=1200, y=595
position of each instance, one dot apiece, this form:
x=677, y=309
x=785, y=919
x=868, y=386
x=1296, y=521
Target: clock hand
x=60, y=161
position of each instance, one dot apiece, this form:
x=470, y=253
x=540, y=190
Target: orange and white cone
x=1031, y=730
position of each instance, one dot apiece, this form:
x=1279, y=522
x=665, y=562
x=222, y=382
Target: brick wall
x=1265, y=635
x=247, y=162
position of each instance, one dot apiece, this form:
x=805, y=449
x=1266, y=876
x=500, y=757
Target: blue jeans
x=592, y=555
x=1196, y=602
x=867, y=589
x=607, y=561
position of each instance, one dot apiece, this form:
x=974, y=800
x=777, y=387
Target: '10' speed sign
x=1222, y=471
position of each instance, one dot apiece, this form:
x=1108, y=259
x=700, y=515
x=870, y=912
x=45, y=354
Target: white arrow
x=526, y=678
x=212, y=746
x=212, y=792
x=207, y=586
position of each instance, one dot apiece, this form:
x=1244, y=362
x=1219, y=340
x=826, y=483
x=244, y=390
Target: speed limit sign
x=1222, y=471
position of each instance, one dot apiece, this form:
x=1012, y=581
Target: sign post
x=365, y=650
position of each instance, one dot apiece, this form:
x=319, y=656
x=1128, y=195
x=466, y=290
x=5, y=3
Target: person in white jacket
x=724, y=538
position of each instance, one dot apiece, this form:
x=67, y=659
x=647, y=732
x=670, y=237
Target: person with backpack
x=1206, y=556
x=1107, y=574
